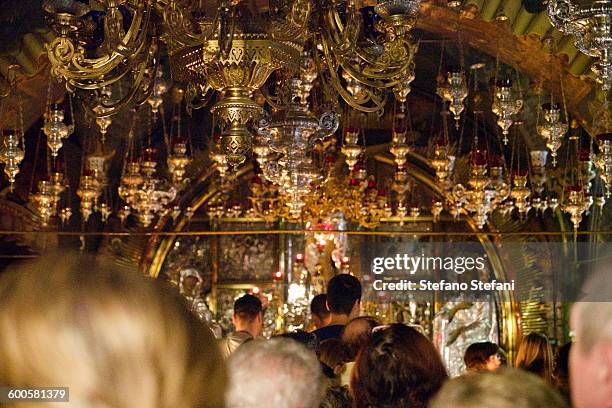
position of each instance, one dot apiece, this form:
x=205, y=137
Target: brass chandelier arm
x=109, y=78
x=272, y=100
x=177, y=27
x=355, y=102
x=342, y=40
x=300, y=14
x=359, y=104
x=198, y=97
x=137, y=93
x=68, y=60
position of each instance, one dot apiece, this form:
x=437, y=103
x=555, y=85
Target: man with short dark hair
x=248, y=322
x=343, y=302
x=319, y=312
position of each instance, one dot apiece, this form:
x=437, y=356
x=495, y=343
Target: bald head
x=591, y=355
x=357, y=333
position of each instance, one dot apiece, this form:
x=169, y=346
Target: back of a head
x=342, y=292
x=594, y=310
x=308, y=340
x=399, y=367
x=477, y=354
x=332, y=353
x=247, y=307
x=504, y=388
x=276, y=373
x=114, y=337
x=356, y=334
x=318, y=306
x=535, y=355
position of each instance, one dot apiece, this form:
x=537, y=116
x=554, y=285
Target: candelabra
x=505, y=105
x=553, y=129
x=590, y=26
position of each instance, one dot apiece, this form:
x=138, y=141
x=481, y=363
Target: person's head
x=336, y=397
x=590, y=360
x=319, y=312
x=356, y=334
x=248, y=315
x=504, y=388
x=398, y=367
x=344, y=295
x=535, y=355
x=114, y=337
x=308, y=340
x=484, y=356
x=276, y=373
x=332, y=354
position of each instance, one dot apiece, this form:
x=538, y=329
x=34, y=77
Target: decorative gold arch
x=420, y=170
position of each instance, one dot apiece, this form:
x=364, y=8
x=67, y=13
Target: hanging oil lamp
x=351, y=149
x=553, y=129
x=55, y=129
x=454, y=90
x=603, y=161
x=505, y=105
x=12, y=153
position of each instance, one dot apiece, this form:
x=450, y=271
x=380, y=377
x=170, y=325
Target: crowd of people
x=120, y=340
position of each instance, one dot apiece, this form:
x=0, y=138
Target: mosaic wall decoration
x=247, y=258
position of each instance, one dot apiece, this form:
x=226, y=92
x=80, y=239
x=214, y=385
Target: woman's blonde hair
x=114, y=337
x=535, y=355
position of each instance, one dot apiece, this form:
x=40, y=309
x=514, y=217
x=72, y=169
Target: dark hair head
x=332, y=353
x=318, y=306
x=247, y=307
x=356, y=334
x=477, y=354
x=342, y=292
x=309, y=340
x=399, y=367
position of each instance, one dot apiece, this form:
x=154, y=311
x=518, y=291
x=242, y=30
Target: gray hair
x=277, y=373
x=504, y=388
x=594, y=310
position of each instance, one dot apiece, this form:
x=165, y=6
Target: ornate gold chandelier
x=231, y=49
